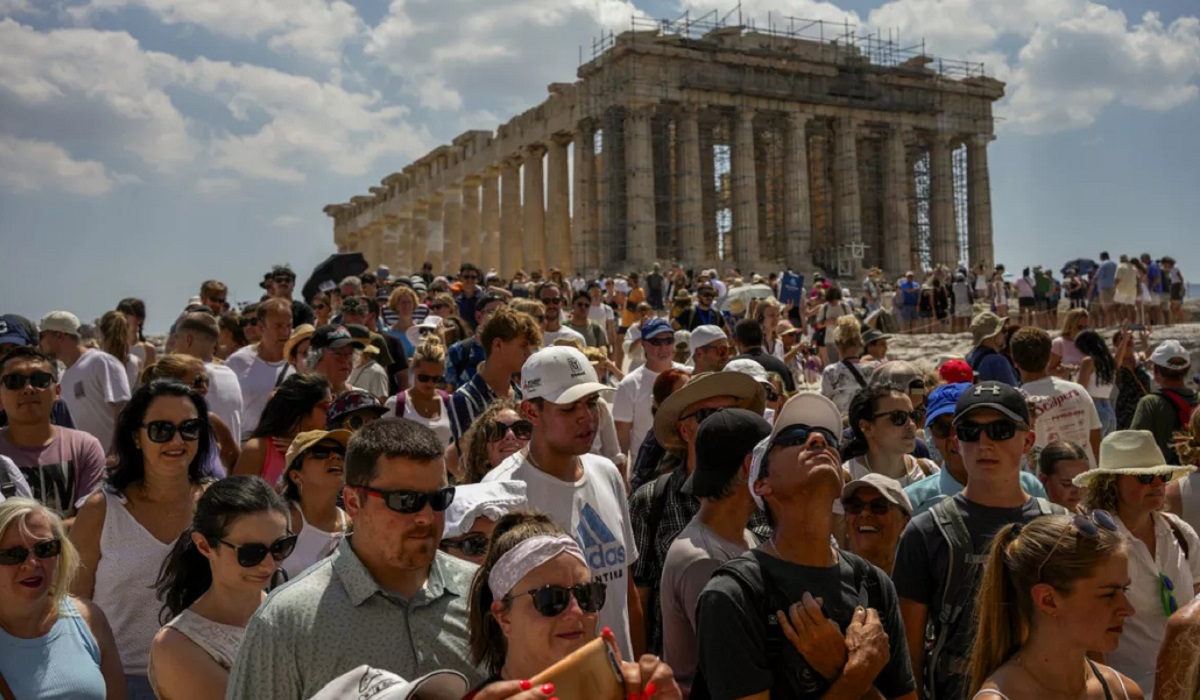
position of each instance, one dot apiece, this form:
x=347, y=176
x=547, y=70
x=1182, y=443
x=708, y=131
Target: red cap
x=956, y=371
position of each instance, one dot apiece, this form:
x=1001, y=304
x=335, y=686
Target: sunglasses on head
x=855, y=506
x=428, y=377
x=409, y=502
x=164, y=430
x=997, y=431
x=521, y=430
x=901, y=418
x=17, y=382
x=660, y=342
x=252, y=554
x=1147, y=479
x=473, y=544
x=552, y=600
x=1087, y=525
x=799, y=435
x=323, y=452
x=19, y=555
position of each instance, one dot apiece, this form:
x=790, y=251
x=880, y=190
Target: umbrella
x=335, y=268
x=1083, y=266
x=745, y=293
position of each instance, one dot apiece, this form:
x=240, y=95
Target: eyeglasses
x=799, y=435
x=1166, y=594
x=249, y=322
x=1147, y=479
x=252, y=554
x=1087, y=525
x=660, y=342
x=474, y=544
x=19, y=555
x=428, y=377
x=552, y=601
x=702, y=414
x=521, y=430
x=941, y=429
x=17, y=382
x=877, y=506
x=284, y=279
x=164, y=430
x=409, y=502
x=901, y=418
x=324, y=452
x=997, y=431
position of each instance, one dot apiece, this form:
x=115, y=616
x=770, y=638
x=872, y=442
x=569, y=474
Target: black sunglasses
x=42, y=550
x=200, y=381
x=17, y=382
x=997, y=431
x=521, y=430
x=701, y=414
x=164, y=430
x=323, y=452
x=901, y=418
x=428, y=377
x=556, y=301
x=409, y=502
x=473, y=544
x=877, y=506
x=358, y=420
x=249, y=322
x=799, y=435
x=941, y=429
x=552, y=600
x=249, y=555
x=772, y=395
x=1147, y=479
x=660, y=342
x=284, y=279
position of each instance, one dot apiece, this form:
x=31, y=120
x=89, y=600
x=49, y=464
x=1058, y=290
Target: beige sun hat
x=748, y=393
x=1131, y=453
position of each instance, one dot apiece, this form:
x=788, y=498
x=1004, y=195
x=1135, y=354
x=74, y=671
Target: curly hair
x=474, y=442
x=1102, y=493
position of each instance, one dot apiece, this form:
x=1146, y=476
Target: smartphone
x=593, y=672
x=1137, y=327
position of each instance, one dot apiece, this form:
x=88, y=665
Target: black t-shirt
x=302, y=313
x=771, y=364
x=694, y=316
x=732, y=630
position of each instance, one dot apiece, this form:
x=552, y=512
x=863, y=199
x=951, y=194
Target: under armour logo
x=994, y=389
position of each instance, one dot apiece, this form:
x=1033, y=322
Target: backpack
x=790, y=681
x=950, y=635
x=1183, y=409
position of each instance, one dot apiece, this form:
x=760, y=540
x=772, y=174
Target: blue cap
x=942, y=400
x=655, y=326
x=13, y=331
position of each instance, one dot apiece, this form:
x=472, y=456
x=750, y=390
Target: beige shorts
x=1106, y=296
x=1124, y=299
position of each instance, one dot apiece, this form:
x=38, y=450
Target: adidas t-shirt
x=595, y=512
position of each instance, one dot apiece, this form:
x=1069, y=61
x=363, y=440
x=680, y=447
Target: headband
x=516, y=563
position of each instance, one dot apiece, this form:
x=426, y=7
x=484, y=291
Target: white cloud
x=11, y=7
x=36, y=165
x=217, y=186
x=286, y=221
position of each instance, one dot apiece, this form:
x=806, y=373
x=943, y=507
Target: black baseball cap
x=723, y=441
x=333, y=336
x=996, y=396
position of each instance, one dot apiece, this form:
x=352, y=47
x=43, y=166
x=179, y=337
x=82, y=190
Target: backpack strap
x=962, y=565
x=401, y=400
x=857, y=375
x=1183, y=543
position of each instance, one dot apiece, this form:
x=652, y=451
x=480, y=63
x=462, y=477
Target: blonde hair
x=1021, y=556
x=529, y=306
x=172, y=366
x=16, y=511
x=569, y=343
x=431, y=349
x=847, y=334
x=763, y=305
x=601, y=355
x=114, y=333
x=402, y=291
x=1102, y=493
x=1071, y=321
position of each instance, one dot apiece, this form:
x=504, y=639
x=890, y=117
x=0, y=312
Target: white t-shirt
x=225, y=396
x=9, y=473
x=548, y=337
x=90, y=387
x=631, y=404
x=602, y=314
x=1064, y=412
x=595, y=512
x=258, y=379
x=133, y=370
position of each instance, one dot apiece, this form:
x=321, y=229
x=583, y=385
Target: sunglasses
x=997, y=431
x=772, y=395
x=557, y=301
x=474, y=544
x=164, y=430
x=1166, y=594
x=251, y=555
x=521, y=430
x=200, y=381
x=249, y=322
x=220, y=300
x=702, y=414
x=357, y=421
x=320, y=307
x=409, y=502
x=284, y=280
x=941, y=429
x=799, y=435
x=582, y=304
x=17, y=382
x=552, y=601
x=1147, y=479
x=435, y=307
x=660, y=342
x=42, y=550
x=900, y=418
x=323, y=452
x=428, y=377
x=877, y=506
x=1087, y=525
x=424, y=331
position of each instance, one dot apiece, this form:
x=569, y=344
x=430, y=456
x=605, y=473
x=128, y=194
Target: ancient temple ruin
x=801, y=145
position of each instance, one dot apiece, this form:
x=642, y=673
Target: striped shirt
x=470, y=400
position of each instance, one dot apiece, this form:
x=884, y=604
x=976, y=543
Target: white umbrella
x=746, y=293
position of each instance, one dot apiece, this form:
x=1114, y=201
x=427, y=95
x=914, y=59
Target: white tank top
x=1189, y=497
x=439, y=424
x=219, y=641
x=130, y=558
x=312, y=545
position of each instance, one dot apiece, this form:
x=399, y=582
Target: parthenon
x=797, y=146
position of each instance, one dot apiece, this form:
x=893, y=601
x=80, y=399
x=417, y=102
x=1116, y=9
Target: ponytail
x=185, y=576
x=1000, y=626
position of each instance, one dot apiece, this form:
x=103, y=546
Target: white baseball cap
x=559, y=374
x=809, y=408
x=434, y=322
x=1171, y=354
x=60, y=322
x=747, y=366
x=706, y=335
x=366, y=683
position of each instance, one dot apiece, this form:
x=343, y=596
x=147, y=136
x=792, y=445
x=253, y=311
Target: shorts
x=1026, y=302
x=1124, y=299
x=1177, y=291
x=908, y=313
x=1107, y=296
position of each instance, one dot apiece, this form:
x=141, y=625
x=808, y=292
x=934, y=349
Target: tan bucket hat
x=706, y=385
x=1131, y=453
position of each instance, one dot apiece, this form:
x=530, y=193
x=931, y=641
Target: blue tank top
x=63, y=663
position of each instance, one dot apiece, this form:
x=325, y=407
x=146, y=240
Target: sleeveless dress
x=312, y=545
x=1095, y=669
x=219, y=641
x=273, y=466
x=62, y=664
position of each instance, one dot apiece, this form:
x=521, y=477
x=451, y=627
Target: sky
x=148, y=145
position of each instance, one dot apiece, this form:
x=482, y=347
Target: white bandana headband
x=516, y=563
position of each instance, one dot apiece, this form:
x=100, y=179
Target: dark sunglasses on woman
x=409, y=502
x=324, y=452
x=521, y=430
x=164, y=430
x=900, y=418
x=252, y=554
x=877, y=506
x=42, y=550
x=1147, y=479
x=997, y=431
x=552, y=600
x=473, y=544
x=17, y=382
x=660, y=342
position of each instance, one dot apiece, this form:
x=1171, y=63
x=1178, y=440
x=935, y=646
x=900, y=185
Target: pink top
x=1067, y=351
x=273, y=465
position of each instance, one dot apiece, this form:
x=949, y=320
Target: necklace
x=1069, y=692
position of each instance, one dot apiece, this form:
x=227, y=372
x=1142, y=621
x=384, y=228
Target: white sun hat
x=1131, y=453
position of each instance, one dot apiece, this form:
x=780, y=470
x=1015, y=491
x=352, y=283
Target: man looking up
x=97, y=385
x=196, y=335
x=582, y=493
x=748, y=335
x=261, y=367
x=991, y=424
x=631, y=405
x=710, y=349
x=551, y=297
x=702, y=313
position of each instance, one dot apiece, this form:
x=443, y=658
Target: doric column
x=472, y=228
x=419, y=241
x=558, y=205
x=979, y=203
x=797, y=212
x=435, y=238
x=452, y=202
x=353, y=241
x=585, y=238
x=404, y=227
x=897, y=232
x=848, y=222
x=511, y=216
x=390, y=248
x=614, y=236
x=941, y=204
x=533, y=237
x=691, y=193
x=639, y=187
x=745, y=191
x=489, y=256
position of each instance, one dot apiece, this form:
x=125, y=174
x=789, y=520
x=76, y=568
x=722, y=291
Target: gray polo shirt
x=334, y=618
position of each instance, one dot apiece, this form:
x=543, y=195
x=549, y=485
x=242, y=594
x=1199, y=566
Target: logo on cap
x=994, y=389
x=339, y=333
x=3, y=327
x=575, y=367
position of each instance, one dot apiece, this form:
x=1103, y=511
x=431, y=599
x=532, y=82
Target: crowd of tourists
x=456, y=486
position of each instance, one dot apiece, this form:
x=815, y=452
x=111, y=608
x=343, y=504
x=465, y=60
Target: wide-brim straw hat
x=707, y=385
x=1131, y=453
x=302, y=333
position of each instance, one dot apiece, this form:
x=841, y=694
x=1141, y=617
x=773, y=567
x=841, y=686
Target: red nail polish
x=548, y=689
x=649, y=692
x=526, y=685
x=606, y=630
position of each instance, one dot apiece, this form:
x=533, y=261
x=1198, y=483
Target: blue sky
x=146, y=145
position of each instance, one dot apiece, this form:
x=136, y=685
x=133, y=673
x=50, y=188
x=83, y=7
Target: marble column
x=490, y=220
x=353, y=241
x=897, y=231
x=420, y=236
x=797, y=212
x=848, y=214
x=533, y=237
x=390, y=248
x=472, y=228
x=745, y=191
x=558, y=205
x=452, y=204
x=584, y=251
x=691, y=192
x=435, y=238
x=511, y=217
x=941, y=204
x=639, y=154
x=614, y=234
x=404, y=265
x=979, y=203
